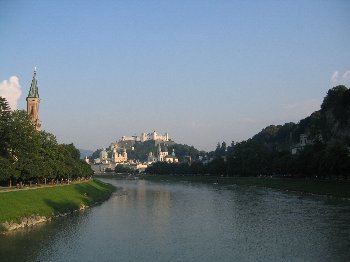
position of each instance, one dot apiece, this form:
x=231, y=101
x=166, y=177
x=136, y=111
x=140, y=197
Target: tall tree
x=5, y=116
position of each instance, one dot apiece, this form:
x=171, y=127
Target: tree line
x=250, y=158
x=30, y=156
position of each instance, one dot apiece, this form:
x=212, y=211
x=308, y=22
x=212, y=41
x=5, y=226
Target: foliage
x=28, y=155
x=141, y=150
x=5, y=115
x=256, y=159
x=168, y=168
x=268, y=152
x=123, y=169
x=182, y=151
x=96, y=154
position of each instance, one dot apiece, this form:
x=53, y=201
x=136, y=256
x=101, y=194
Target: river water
x=168, y=221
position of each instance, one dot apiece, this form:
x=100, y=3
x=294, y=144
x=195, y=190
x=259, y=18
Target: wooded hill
x=142, y=149
x=329, y=125
x=269, y=152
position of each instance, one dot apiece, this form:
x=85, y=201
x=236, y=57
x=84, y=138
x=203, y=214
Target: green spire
x=33, y=91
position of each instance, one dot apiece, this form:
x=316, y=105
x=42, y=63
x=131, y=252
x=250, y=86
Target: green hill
x=330, y=124
x=278, y=151
x=140, y=150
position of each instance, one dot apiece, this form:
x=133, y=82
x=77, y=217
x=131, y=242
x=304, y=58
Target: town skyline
x=202, y=71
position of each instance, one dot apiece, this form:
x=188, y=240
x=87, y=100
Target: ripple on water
x=165, y=221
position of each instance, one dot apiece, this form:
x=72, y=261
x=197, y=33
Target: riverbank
x=310, y=186
x=29, y=207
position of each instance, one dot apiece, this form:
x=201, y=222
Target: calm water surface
x=167, y=221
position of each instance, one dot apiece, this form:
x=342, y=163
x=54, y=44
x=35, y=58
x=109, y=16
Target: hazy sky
x=204, y=71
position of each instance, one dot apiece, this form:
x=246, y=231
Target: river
x=182, y=221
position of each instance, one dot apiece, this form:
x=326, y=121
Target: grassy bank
x=311, y=186
x=50, y=201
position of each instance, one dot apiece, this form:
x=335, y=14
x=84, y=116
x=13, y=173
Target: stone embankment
x=25, y=222
x=35, y=219
x=26, y=208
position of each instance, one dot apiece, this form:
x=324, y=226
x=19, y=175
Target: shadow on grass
x=88, y=194
x=93, y=192
x=62, y=206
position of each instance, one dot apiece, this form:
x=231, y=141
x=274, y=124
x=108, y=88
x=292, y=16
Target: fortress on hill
x=128, y=142
x=147, y=137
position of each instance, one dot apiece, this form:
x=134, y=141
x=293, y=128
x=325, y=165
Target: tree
x=231, y=149
x=123, y=169
x=50, y=154
x=7, y=170
x=23, y=145
x=96, y=154
x=217, y=166
x=27, y=155
x=5, y=116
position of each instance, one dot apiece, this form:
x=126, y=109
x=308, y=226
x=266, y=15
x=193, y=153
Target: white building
x=119, y=158
x=103, y=155
x=145, y=137
x=162, y=156
x=304, y=141
x=141, y=167
x=151, y=158
x=171, y=158
x=130, y=138
x=154, y=136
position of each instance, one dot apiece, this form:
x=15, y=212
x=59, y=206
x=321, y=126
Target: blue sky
x=204, y=71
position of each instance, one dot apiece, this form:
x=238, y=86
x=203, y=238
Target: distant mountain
x=84, y=152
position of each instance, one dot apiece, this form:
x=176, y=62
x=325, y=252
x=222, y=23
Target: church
x=33, y=102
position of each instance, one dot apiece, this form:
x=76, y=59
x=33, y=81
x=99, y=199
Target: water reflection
x=34, y=243
x=145, y=221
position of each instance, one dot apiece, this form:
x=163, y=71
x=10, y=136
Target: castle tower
x=33, y=102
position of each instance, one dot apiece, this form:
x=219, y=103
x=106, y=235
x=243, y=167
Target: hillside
x=330, y=124
x=277, y=150
x=140, y=150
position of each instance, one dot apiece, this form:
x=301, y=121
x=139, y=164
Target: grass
x=339, y=189
x=51, y=201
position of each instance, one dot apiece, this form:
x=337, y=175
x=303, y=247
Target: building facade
x=162, y=156
x=146, y=137
x=154, y=136
x=119, y=158
x=171, y=158
x=33, y=102
x=304, y=141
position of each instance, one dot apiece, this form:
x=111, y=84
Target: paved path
x=14, y=188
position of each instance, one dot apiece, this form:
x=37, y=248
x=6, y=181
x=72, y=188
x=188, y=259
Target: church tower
x=33, y=102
